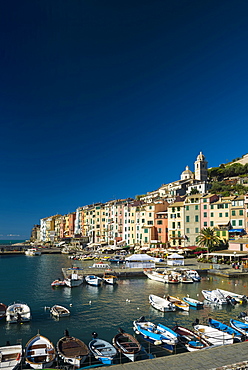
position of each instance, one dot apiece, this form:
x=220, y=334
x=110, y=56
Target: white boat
x=214, y=296
x=32, y=252
x=193, y=274
x=239, y=298
x=18, y=313
x=155, y=275
x=102, y=350
x=110, y=279
x=72, y=350
x=74, y=280
x=179, y=303
x=93, y=280
x=59, y=311
x=161, y=304
x=10, y=357
x=214, y=336
x=193, y=302
x=39, y=352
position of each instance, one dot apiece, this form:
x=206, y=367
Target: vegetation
x=232, y=170
x=208, y=239
x=228, y=189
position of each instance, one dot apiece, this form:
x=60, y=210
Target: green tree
x=208, y=239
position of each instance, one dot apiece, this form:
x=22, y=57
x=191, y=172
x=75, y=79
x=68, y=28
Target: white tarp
x=140, y=261
x=175, y=259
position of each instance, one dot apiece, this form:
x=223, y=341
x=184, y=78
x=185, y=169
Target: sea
x=102, y=309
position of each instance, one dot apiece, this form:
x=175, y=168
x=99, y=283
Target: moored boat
x=190, y=340
x=156, y=275
x=193, y=302
x=74, y=280
x=59, y=311
x=102, y=350
x=127, y=344
x=93, y=280
x=10, y=357
x=212, y=335
x=109, y=279
x=18, y=313
x=57, y=283
x=240, y=326
x=161, y=304
x=72, y=350
x=3, y=309
x=214, y=296
x=39, y=352
x=179, y=303
x=194, y=275
x=32, y=252
x=225, y=328
x=238, y=298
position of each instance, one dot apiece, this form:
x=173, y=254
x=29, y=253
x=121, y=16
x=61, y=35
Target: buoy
x=137, y=308
x=89, y=302
x=70, y=304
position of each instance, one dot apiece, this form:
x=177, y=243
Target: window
x=212, y=214
x=178, y=208
x=146, y=231
x=205, y=206
x=196, y=207
x=205, y=214
x=212, y=206
x=196, y=218
x=233, y=222
x=204, y=200
x=223, y=233
x=240, y=223
x=233, y=213
x=211, y=223
x=241, y=212
x=150, y=215
x=205, y=224
x=187, y=230
x=187, y=208
x=178, y=225
x=226, y=205
x=218, y=233
x=196, y=230
x=226, y=214
x=159, y=222
x=187, y=218
x=220, y=214
x=149, y=222
x=173, y=225
x=159, y=230
x=146, y=239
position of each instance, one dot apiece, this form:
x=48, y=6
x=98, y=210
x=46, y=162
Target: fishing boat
x=102, y=350
x=214, y=296
x=72, y=350
x=161, y=304
x=179, y=303
x=59, y=311
x=109, y=279
x=74, y=280
x=156, y=275
x=193, y=302
x=93, y=280
x=190, y=340
x=32, y=252
x=212, y=335
x=18, y=313
x=239, y=298
x=125, y=343
x=240, y=326
x=39, y=352
x=57, y=283
x=225, y=328
x=10, y=357
x=159, y=335
x=3, y=309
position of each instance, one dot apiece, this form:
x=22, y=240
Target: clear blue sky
x=109, y=99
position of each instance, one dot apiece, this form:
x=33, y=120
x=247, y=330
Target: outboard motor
x=66, y=333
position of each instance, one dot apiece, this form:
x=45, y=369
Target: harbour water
x=102, y=309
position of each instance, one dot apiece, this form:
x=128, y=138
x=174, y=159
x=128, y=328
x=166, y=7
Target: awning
x=237, y=231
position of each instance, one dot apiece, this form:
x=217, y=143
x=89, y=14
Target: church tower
x=201, y=168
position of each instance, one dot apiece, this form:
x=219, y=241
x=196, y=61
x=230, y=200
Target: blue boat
x=159, y=335
x=193, y=302
x=226, y=328
x=240, y=326
x=102, y=350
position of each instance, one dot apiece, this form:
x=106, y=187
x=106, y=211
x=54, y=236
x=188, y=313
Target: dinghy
x=190, y=340
x=102, y=350
x=59, y=311
x=225, y=328
x=179, y=303
x=193, y=302
x=194, y=275
x=156, y=275
x=212, y=335
x=159, y=335
x=10, y=357
x=240, y=326
x=161, y=304
x=214, y=296
x=39, y=352
x=125, y=343
x=93, y=280
x=18, y=313
x=72, y=350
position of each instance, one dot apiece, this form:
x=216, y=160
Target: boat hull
x=40, y=352
x=10, y=357
x=72, y=351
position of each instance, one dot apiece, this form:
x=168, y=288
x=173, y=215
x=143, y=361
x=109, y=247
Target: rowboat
x=39, y=352
x=159, y=335
x=214, y=296
x=102, y=350
x=179, y=303
x=161, y=304
x=226, y=328
x=193, y=302
x=93, y=280
x=18, y=313
x=59, y=311
x=10, y=357
x=125, y=343
x=212, y=335
x=72, y=350
x=240, y=326
x=190, y=340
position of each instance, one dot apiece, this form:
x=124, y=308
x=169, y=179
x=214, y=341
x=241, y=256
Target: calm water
x=28, y=279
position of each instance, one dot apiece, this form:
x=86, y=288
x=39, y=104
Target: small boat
x=190, y=340
x=59, y=311
x=102, y=350
x=72, y=350
x=18, y=313
x=161, y=304
x=110, y=279
x=3, y=309
x=57, y=283
x=193, y=302
x=74, y=280
x=194, y=275
x=39, y=352
x=225, y=328
x=159, y=335
x=172, y=277
x=32, y=252
x=240, y=326
x=179, y=303
x=10, y=357
x=127, y=344
x=238, y=298
x=155, y=275
x=212, y=335
x=116, y=259
x=93, y=280
x=214, y=296
x=100, y=265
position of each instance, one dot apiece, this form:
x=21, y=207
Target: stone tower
x=201, y=168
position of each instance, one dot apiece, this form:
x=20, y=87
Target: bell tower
x=201, y=168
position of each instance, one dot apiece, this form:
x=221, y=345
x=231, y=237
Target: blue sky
x=103, y=100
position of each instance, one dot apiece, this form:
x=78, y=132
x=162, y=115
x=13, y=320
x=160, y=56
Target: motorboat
x=212, y=335
x=214, y=296
x=110, y=279
x=225, y=328
x=190, y=340
x=182, y=276
x=172, y=277
x=74, y=280
x=39, y=352
x=57, y=283
x=128, y=345
x=193, y=302
x=93, y=280
x=18, y=313
x=72, y=350
x=156, y=275
x=240, y=326
x=161, y=304
x=156, y=334
x=238, y=298
x=3, y=309
x=59, y=311
x=179, y=303
x=11, y=357
x=32, y=252
x=194, y=275
x=102, y=350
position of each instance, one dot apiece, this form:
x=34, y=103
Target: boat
x=172, y=277
x=100, y=265
x=102, y=350
x=190, y=340
x=117, y=259
x=18, y=313
x=72, y=350
x=182, y=276
x=214, y=296
x=56, y=283
x=125, y=343
x=161, y=304
x=239, y=298
x=226, y=328
x=3, y=309
x=109, y=279
x=156, y=334
x=59, y=311
x=240, y=326
x=212, y=335
x=10, y=357
x=39, y=352
x=156, y=275
x=179, y=303
x=194, y=275
x=32, y=252
x=74, y=280
x=93, y=280
x=193, y=302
